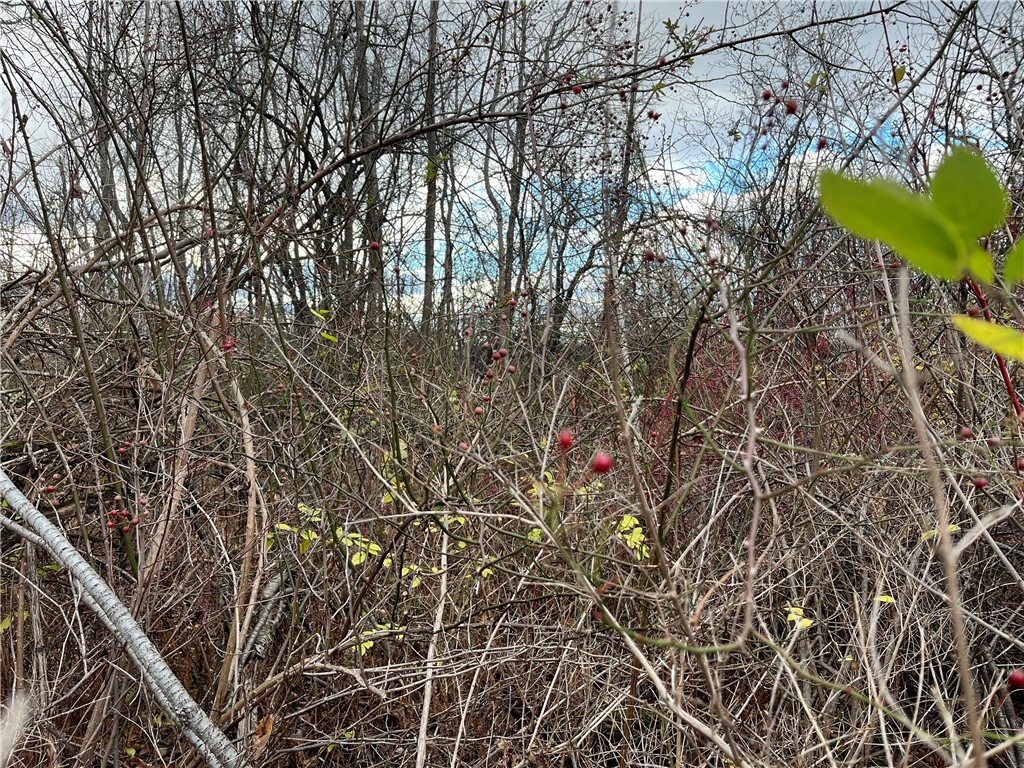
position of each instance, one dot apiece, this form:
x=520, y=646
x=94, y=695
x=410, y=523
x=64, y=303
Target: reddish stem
x=980, y=296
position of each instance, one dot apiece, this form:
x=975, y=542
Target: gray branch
x=199, y=729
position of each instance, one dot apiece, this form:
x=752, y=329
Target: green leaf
x=329, y=336
x=1014, y=272
x=1000, y=339
x=979, y=263
x=658, y=86
x=970, y=196
x=908, y=223
x=898, y=75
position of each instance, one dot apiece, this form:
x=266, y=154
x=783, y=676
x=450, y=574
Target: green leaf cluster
x=937, y=232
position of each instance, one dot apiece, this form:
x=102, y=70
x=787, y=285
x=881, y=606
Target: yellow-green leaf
x=953, y=528
x=1004, y=341
x=899, y=74
x=1014, y=272
x=329, y=336
x=886, y=599
x=979, y=263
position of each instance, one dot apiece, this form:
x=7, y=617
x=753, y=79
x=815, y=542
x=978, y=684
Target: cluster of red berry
x=122, y=518
x=601, y=463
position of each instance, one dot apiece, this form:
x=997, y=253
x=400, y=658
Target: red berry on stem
x=502, y=352
x=791, y=106
x=766, y=96
x=1015, y=680
x=602, y=463
x=565, y=439
x=374, y=246
x=966, y=433
x=980, y=482
x=577, y=89
x=973, y=311
x=479, y=411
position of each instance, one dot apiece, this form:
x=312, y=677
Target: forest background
x=482, y=384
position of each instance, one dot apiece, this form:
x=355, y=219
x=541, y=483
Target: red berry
x=511, y=368
x=973, y=311
x=1015, y=679
x=966, y=433
x=479, y=410
x=135, y=521
x=993, y=441
x=374, y=246
x=502, y=352
x=577, y=89
x=50, y=488
x=822, y=143
x=565, y=439
x=791, y=106
x=463, y=446
x=126, y=529
x=111, y=525
x=648, y=254
x=784, y=84
x=602, y=463
x=1020, y=465
x=766, y=96
x=980, y=482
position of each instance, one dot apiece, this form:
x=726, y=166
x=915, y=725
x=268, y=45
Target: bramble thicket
x=528, y=384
